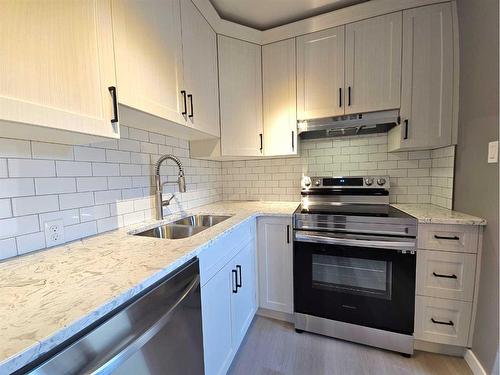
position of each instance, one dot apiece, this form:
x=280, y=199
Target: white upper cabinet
x=148, y=50
x=279, y=98
x=240, y=82
x=320, y=74
x=57, y=65
x=373, y=64
x=427, y=83
x=199, y=44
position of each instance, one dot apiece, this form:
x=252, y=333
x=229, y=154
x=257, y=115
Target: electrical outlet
x=54, y=233
x=493, y=152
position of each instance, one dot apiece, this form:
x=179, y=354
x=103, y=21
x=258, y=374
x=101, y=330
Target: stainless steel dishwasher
x=158, y=333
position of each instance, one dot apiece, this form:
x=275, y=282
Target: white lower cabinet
x=228, y=301
x=275, y=255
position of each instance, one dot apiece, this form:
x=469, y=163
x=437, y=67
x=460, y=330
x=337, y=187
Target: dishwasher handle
x=129, y=349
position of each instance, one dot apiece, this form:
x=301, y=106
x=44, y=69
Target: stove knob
x=381, y=181
x=306, y=181
x=317, y=182
x=368, y=181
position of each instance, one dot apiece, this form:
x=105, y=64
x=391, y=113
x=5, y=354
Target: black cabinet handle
x=288, y=234
x=112, y=91
x=293, y=140
x=190, y=97
x=454, y=238
x=184, y=112
x=406, y=129
x=261, y=142
x=340, y=97
x=448, y=323
x=235, y=278
x=444, y=276
x=349, y=96
x=239, y=284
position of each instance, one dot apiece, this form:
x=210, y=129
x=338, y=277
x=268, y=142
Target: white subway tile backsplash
x=130, y=170
x=138, y=134
x=89, y=154
x=94, y=213
x=34, y=205
x=5, y=208
x=8, y=248
x=73, y=168
x=76, y=200
x=91, y=183
x=75, y=232
x=114, y=156
x=107, y=196
x=42, y=150
x=109, y=223
x=119, y=182
x=14, y=148
x=105, y=169
x=54, y=185
x=30, y=242
x=69, y=217
x=31, y=168
x=3, y=168
x=129, y=145
x=18, y=226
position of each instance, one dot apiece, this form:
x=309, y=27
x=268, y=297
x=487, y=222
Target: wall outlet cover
x=493, y=152
x=54, y=232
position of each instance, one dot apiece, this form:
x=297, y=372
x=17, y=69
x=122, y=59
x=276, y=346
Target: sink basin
x=201, y=220
x=185, y=227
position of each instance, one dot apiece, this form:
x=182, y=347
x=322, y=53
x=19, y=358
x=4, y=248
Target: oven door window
x=366, y=277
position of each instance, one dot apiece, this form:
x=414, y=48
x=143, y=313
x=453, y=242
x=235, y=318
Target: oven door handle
x=378, y=244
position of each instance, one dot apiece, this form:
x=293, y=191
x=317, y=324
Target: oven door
x=364, y=280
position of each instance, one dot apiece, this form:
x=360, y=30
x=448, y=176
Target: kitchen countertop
x=430, y=214
x=48, y=296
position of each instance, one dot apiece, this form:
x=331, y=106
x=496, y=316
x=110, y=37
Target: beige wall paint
x=476, y=182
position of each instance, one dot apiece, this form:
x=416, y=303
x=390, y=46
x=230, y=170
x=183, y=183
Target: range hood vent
x=357, y=124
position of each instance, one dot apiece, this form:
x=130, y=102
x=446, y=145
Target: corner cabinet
x=57, y=70
x=279, y=98
x=427, y=79
x=240, y=82
x=275, y=261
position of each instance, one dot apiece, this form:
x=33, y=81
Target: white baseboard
x=474, y=363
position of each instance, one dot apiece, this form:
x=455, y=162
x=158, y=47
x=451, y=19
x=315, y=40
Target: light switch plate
x=493, y=152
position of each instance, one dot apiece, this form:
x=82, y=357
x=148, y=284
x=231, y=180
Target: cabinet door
x=279, y=98
x=240, y=82
x=275, y=264
x=320, y=74
x=373, y=64
x=57, y=65
x=243, y=302
x=216, y=319
x=148, y=49
x=427, y=90
x=199, y=46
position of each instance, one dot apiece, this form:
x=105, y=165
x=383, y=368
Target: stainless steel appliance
x=354, y=263
x=160, y=332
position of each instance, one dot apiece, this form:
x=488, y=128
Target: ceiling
x=266, y=14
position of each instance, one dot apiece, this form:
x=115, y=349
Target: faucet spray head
x=182, y=183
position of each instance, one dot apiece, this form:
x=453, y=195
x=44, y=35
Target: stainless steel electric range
x=354, y=263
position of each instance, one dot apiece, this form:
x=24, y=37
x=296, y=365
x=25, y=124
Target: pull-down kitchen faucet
x=159, y=186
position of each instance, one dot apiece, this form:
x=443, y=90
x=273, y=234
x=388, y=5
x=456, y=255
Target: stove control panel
x=350, y=182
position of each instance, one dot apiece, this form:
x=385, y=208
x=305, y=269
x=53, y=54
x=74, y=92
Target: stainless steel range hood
x=356, y=124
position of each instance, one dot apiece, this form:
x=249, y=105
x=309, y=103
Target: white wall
x=416, y=177
x=93, y=188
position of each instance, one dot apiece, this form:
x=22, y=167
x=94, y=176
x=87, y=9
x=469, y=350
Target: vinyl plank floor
x=274, y=348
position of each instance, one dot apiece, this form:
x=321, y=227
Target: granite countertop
x=49, y=296
x=430, y=214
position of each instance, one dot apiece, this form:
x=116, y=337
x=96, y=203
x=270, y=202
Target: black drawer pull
x=340, y=97
x=349, y=96
x=235, y=278
x=449, y=323
x=444, y=276
x=406, y=129
x=293, y=140
x=112, y=91
x=288, y=234
x=190, y=97
x=454, y=238
x=240, y=283
x=185, y=111
x=261, y=142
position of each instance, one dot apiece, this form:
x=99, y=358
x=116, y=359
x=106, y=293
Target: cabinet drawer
x=220, y=252
x=444, y=274
x=442, y=321
x=461, y=238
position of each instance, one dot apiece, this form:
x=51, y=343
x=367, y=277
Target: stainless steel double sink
x=185, y=227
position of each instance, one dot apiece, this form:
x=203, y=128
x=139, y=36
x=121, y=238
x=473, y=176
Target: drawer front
x=216, y=255
x=460, y=238
x=442, y=321
x=446, y=275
